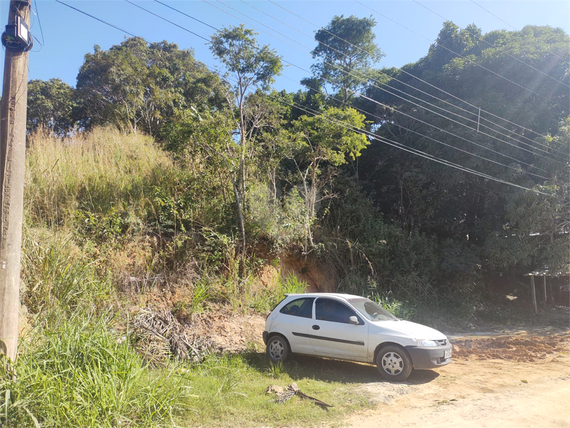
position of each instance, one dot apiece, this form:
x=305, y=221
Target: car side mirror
x=353, y=320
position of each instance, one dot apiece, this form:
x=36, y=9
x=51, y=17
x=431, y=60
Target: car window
x=302, y=307
x=371, y=310
x=332, y=310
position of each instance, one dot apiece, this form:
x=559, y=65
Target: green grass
x=81, y=374
x=230, y=390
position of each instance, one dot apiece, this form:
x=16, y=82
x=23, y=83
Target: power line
x=446, y=132
x=39, y=23
x=170, y=22
x=374, y=101
x=400, y=112
x=433, y=86
x=260, y=23
x=416, y=152
x=480, y=118
x=97, y=19
x=189, y=16
x=430, y=125
x=419, y=99
x=504, y=22
x=426, y=123
x=385, y=140
x=453, y=147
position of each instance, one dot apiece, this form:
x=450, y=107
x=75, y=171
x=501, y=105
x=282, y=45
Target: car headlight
x=426, y=342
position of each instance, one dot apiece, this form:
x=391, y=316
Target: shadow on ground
x=300, y=367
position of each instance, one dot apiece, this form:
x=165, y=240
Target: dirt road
x=511, y=381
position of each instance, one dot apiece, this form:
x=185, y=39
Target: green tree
x=330, y=139
x=536, y=229
x=51, y=106
x=141, y=86
x=449, y=203
x=345, y=52
x=249, y=66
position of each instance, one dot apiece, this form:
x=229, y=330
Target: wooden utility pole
x=17, y=42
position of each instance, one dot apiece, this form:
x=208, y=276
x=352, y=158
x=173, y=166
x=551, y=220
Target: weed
x=57, y=277
x=201, y=294
x=275, y=370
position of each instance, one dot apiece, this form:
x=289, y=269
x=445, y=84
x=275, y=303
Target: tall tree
x=51, y=106
x=248, y=66
x=141, y=86
x=345, y=52
x=330, y=139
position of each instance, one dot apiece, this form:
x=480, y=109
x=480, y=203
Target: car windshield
x=371, y=310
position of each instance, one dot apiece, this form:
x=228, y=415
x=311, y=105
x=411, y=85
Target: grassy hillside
x=106, y=236
x=116, y=230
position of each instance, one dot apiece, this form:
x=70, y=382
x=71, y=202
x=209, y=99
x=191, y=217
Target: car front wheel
x=277, y=349
x=393, y=363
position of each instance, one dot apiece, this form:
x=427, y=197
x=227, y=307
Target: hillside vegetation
x=154, y=185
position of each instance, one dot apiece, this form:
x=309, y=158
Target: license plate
x=447, y=354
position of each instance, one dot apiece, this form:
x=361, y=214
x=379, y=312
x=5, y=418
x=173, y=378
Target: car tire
x=394, y=363
x=277, y=349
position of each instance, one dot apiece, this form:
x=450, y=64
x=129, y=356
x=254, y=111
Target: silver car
x=352, y=328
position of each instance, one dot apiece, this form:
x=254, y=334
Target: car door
x=293, y=322
x=332, y=333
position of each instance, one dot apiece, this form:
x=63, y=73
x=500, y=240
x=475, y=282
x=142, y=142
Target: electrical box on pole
x=18, y=41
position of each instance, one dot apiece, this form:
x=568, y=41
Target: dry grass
x=95, y=172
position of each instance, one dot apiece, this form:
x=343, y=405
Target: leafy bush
x=282, y=222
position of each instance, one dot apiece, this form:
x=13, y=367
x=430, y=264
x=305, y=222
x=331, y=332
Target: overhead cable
x=451, y=146
x=416, y=152
x=170, y=22
x=405, y=99
x=373, y=136
x=97, y=19
x=431, y=85
x=439, y=129
x=479, y=116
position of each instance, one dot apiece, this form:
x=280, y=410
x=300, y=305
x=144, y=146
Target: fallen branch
x=290, y=392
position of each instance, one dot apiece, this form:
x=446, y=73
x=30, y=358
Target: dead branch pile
x=160, y=336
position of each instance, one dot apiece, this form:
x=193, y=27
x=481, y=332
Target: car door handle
x=316, y=327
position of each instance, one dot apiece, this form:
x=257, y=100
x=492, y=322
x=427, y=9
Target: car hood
x=407, y=328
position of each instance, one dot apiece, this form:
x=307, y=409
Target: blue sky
x=405, y=29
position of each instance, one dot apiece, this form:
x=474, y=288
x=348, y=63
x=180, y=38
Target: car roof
x=342, y=296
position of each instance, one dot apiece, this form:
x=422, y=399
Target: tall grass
x=58, y=279
x=80, y=374
x=94, y=172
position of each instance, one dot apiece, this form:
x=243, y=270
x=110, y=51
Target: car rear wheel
x=277, y=349
x=393, y=363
